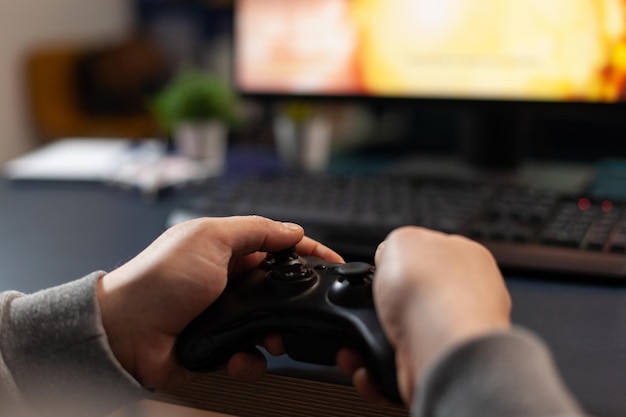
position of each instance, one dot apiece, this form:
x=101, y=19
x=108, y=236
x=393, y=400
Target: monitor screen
x=514, y=50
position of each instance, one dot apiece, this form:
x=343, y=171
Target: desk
x=51, y=233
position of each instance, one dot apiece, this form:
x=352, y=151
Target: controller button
x=345, y=294
x=291, y=272
x=290, y=280
x=356, y=272
x=353, y=288
x=287, y=256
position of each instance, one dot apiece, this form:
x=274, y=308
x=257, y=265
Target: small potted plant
x=196, y=109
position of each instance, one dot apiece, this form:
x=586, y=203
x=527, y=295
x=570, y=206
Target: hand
x=146, y=303
x=432, y=291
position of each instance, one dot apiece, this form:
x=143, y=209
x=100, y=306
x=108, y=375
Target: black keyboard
x=527, y=229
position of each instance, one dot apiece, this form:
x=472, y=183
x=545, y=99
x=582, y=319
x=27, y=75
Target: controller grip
x=210, y=352
x=314, y=343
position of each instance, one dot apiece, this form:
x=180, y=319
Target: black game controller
x=317, y=306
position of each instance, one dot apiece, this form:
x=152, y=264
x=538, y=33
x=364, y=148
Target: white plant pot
x=203, y=141
x=303, y=146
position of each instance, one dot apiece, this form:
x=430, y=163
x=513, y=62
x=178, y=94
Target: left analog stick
x=290, y=280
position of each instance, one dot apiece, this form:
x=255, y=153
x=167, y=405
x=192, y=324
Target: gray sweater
x=55, y=361
x=54, y=355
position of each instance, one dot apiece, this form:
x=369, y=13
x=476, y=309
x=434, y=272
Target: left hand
x=432, y=291
x=146, y=303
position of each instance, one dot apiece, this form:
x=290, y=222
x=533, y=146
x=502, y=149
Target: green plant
x=194, y=96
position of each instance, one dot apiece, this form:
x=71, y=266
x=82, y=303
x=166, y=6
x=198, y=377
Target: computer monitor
x=493, y=59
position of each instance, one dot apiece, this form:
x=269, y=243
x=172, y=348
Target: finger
x=306, y=247
x=310, y=247
x=249, y=234
x=380, y=250
x=349, y=361
x=273, y=343
x=247, y=366
x=366, y=388
x=181, y=377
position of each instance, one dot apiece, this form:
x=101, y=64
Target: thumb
x=249, y=234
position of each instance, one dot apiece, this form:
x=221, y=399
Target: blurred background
x=85, y=67
x=72, y=68
x=30, y=24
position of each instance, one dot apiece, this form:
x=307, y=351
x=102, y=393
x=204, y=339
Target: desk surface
x=51, y=233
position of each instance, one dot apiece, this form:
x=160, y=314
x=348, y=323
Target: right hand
x=432, y=291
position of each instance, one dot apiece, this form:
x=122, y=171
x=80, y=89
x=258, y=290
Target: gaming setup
x=494, y=63
x=499, y=66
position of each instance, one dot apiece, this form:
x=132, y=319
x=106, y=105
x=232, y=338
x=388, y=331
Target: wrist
x=118, y=335
x=423, y=342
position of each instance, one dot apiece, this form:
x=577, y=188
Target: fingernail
x=292, y=227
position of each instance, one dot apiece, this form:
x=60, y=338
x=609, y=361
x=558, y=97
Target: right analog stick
x=353, y=287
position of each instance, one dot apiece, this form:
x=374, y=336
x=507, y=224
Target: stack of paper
x=144, y=165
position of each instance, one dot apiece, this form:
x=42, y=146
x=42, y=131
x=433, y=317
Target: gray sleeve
x=54, y=354
x=507, y=374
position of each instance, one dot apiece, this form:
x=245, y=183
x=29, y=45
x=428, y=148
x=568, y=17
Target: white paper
x=70, y=159
x=144, y=165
